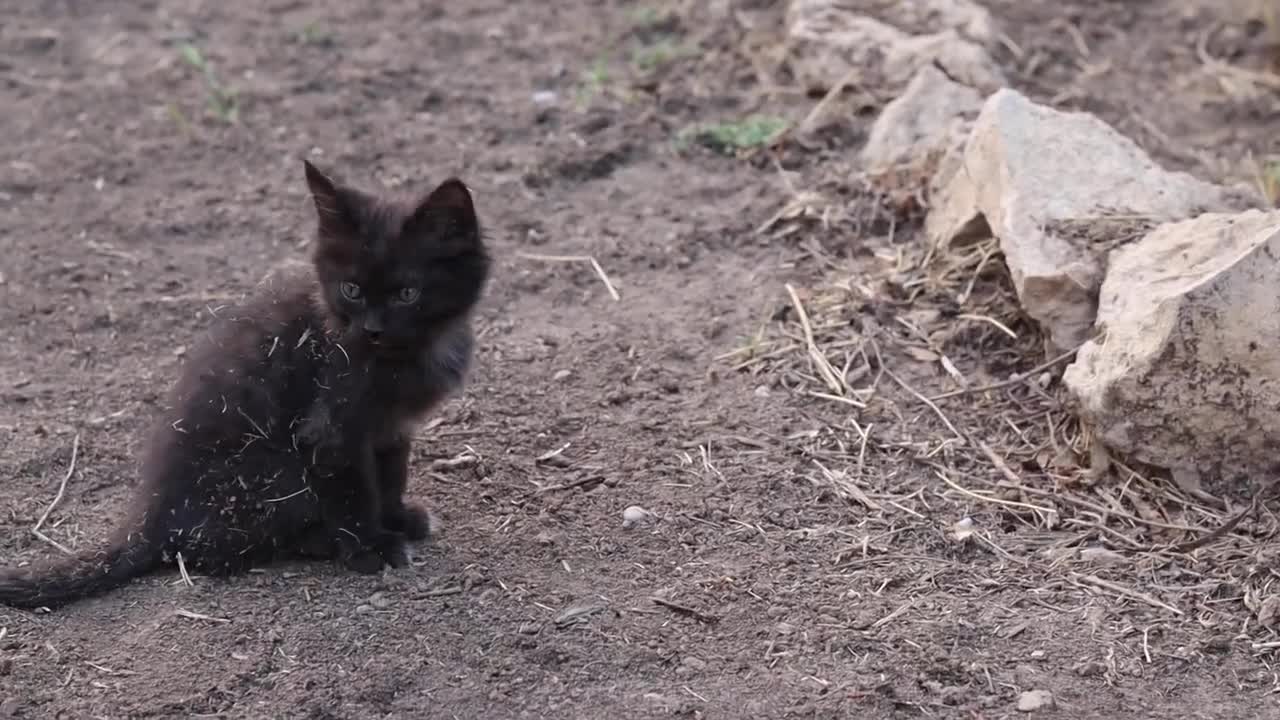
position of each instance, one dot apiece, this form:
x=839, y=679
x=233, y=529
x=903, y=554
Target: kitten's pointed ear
x=447, y=216
x=331, y=210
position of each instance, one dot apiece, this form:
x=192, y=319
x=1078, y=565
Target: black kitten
x=289, y=429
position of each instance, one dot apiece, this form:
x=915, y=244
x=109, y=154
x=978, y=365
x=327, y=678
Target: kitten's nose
x=373, y=325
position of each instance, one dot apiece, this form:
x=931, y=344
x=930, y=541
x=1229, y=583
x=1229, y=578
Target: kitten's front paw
x=364, y=561
x=391, y=548
x=365, y=557
x=315, y=542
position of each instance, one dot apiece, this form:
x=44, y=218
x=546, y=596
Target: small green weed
x=595, y=80
x=648, y=58
x=222, y=99
x=732, y=137
x=313, y=33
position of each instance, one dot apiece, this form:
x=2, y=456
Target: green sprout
x=222, y=99
x=732, y=137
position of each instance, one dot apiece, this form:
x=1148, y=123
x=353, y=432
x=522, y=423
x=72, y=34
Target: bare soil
x=792, y=566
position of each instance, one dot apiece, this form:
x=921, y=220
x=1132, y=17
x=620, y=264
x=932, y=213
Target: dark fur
x=289, y=429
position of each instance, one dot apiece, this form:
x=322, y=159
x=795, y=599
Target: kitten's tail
x=58, y=583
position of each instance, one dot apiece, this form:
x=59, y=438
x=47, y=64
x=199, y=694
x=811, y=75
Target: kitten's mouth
x=383, y=346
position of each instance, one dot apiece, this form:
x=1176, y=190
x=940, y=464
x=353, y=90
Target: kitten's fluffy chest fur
x=395, y=392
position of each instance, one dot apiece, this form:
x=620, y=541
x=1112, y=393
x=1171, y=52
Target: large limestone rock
x=933, y=114
x=1186, y=372
x=1037, y=179
x=829, y=41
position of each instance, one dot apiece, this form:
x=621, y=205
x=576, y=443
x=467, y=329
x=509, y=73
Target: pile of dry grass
x=932, y=383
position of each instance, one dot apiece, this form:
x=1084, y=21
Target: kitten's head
x=393, y=275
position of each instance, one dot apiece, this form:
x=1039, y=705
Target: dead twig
x=182, y=570
x=199, y=616
x=608, y=285
x=62, y=490
x=932, y=406
x=442, y=592
x=1015, y=380
x=685, y=610
x=1049, y=514
x=459, y=462
x=1122, y=591
x=819, y=359
x=1223, y=529
x=591, y=480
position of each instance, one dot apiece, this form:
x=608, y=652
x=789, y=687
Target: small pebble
x=633, y=515
x=694, y=663
x=362, y=608
x=544, y=97
x=562, y=375
x=380, y=601
x=1033, y=700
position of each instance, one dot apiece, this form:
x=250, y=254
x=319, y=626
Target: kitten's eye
x=351, y=291
x=408, y=295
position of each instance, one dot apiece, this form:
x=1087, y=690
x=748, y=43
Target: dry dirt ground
x=802, y=551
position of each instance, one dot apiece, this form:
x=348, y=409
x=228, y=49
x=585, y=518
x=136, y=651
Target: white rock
x=1027, y=171
x=1033, y=700
x=829, y=42
x=1186, y=373
x=933, y=114
x=634, y=515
